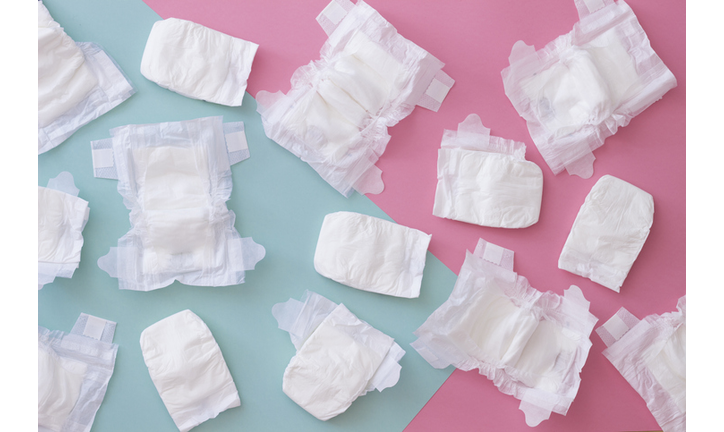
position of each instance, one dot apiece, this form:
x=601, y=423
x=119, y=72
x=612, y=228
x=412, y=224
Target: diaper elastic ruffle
x=485, y=180
x=339, y=357
x=532, y=345
x=580, y=88
x=608, y=233
x=371, y=254
x=198, y=62
x=175, y=178
x=336, y=115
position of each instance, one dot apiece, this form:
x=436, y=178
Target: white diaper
x=77, y=83
x=188, y=369
x=198, y=62
x=485, y=180
x=608, y=233
x=651, y=355
x=339, y=357
x=532, y=345
x=371, y=254
x=73, y=373
x=583, y=86
x=61, y=219
x=336, y=115
x=176, y=178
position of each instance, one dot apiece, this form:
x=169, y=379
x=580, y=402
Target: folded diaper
x=339, y=357
x=371, y=254
x=61, y=219
x=608, y=233
x=336, y=115
x=532, y=345
x=198, y=62
x=580, y=88
x=188, y=369
x=485, y=180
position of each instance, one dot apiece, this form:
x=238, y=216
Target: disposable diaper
x=532, y=345
x=175, y=178
x=485, y=180
x=336, y=115
x=198, y=62
x=651, y=355
x=61, y=219
x=580, y=88
x=371, y=254
x=188, y=369
x=339, y=357
x=73, y=373
x=77, y=83
x=608, y=233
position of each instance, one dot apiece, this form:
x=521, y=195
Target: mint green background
x=280, y=202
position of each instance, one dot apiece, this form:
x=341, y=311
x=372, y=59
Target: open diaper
x=77, y=83
x=608, y=233
x=485, y=180
x=371, y=254
x=73, y=373
x=198, y=62
x=336, y=115
x=175, y=178
x=651, y=355
x=580, y=88
x=61, y=219
x=339, y=357
x=532, y=345
x=188, y=369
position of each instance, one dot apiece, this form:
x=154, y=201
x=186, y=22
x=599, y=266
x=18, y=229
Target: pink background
x=474, y=39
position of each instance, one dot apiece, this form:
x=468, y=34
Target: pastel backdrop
x=280, y=202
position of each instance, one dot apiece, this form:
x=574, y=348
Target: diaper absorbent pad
x=651, y=355
x=73, y=373
x=371, y=254
x=485, y=180
x=188, y=369
x=198, y=62
x=581, y=87
x=336, y=115
x=339, y=357
x=608, y=233
x=175, y=178
x=61, y=219
x=531, y=344
x=77, y=83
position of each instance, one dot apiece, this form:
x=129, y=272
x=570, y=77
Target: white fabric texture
x=77, y=83
x=608, y=233
x=580, y=88
x=339, y=357
x=336, y=115
x=188, y=369
x=532, y=345
x=198, y=62
x=651, y=355
x=175, y=178
x=61, y=219
x=73, y=374
x=485, y=180
x=371, y=254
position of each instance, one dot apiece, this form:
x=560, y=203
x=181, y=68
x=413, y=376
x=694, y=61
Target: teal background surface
x=280, y=202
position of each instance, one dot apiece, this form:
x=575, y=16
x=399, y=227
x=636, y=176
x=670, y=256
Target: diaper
x=371, y=254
